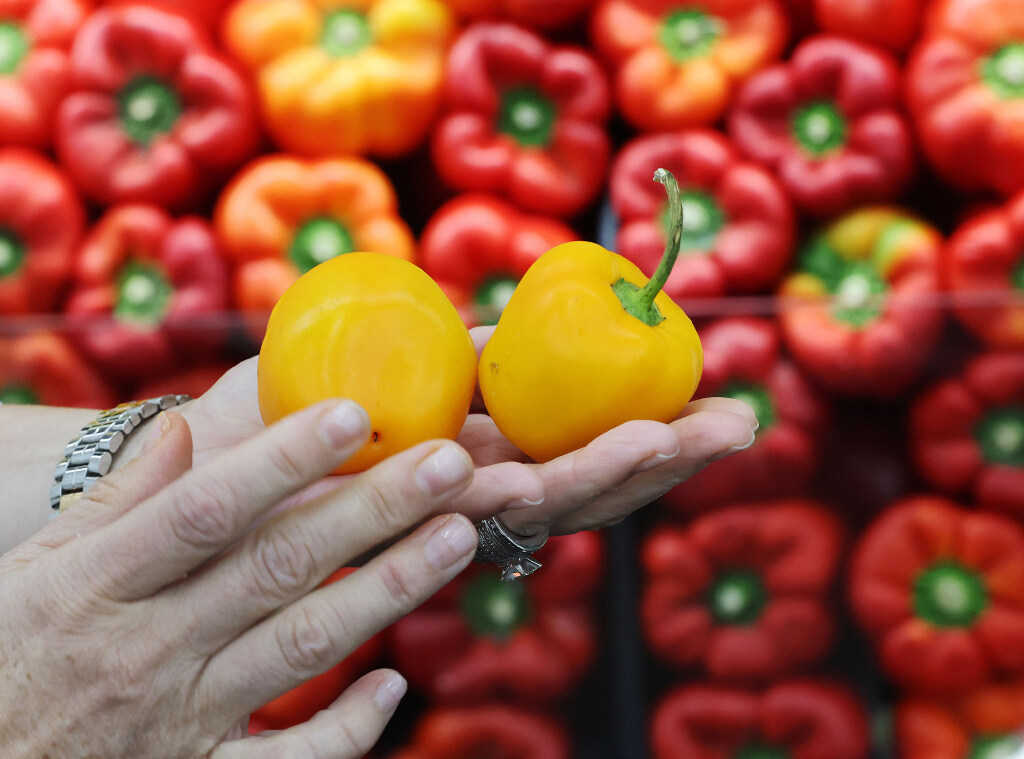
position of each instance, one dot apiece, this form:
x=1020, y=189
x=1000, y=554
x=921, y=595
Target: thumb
x=165, y=456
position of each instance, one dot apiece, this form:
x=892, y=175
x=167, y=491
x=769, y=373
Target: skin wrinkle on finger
x=364, y=600
x=330, y=531
x=209, y=507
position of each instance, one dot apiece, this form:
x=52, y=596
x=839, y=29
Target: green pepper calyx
x=345, y=33
x=819, y=128
x=12, y=253
x=149, y=108
x=757, y=397
x=949, y=594
x=319, y=240
x=527, y=116
x=1017, y=276
x=1000, y=433
x=689, y=33
x=1003, y=71
x=637, y=301
x=856, y=284
x=761, y=751
x=737, y=597
x=493, y=608
x=18, y=394
x=143, y=294
x=995, y=747
x=492, y=296
x=13, y=47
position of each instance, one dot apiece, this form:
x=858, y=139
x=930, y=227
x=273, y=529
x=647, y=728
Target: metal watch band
x=89, y=455
x=497, y=545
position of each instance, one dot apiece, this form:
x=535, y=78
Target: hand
x=151, y=618
x=594, y=487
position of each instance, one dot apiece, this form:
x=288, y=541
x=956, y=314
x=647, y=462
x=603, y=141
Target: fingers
x=208, y=508
x=348, y=729
x=629, y=467
x=732, y=405
x=318, y=631
x=500, y=487
x=291, y=554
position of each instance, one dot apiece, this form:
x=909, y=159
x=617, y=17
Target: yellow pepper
x=344, y=76
x=378, y=330
x=587, y=343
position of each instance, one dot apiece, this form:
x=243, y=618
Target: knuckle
x=357, y=742
x=201, y=518
x=287, y=466
x=385, y=507
x=284, y=566
x=399, y=585
x=306, y=643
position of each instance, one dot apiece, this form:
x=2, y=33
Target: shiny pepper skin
x=378, y=330
x=569, y=361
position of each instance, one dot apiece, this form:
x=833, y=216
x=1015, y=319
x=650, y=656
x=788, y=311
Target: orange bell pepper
x=363, y=77
x=677, y=66
x=282, y=216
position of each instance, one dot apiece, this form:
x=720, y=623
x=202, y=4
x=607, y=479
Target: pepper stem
x=637, y=301
x=18, y=394
x=12, y=253
x=950, y=595
x=493, y=608
x=13, y=47
x=1017, y=277
x=761, y=751
x=995, y=747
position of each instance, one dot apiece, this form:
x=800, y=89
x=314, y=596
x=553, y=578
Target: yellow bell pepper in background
x=587, y=343
x=344, y=76
x=378, y=330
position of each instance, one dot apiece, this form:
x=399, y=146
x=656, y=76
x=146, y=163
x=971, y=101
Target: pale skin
x=180, y=593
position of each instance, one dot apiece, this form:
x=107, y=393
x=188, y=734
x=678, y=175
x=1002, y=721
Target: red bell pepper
x=523, y=118
x=536, y=14
x=41, y=222
x=520, y=642
x=301, y=703
x=965, y=84
x=35, y=73
x=828, y=123
x=738, y=224
x=743, y=593
x=206, y=12
x=148, y=290
x=478, y=247
x=983, y=724
x=486, y=732
x=985, y=257
x=891, y=24
x=44, y=368
x=940, y=590
x=794, y=719
x=156, y=115
x=743, y=359
x=967, y=433
x=859, y=315
x=677, y=65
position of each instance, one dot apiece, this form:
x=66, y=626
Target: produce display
x=184, y=184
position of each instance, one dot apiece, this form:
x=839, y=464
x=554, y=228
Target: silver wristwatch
x=496, y=544
x=89, y=455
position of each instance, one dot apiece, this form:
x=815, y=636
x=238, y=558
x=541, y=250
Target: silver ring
x=496, y=544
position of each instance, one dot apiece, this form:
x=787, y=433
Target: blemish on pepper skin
x=375, y=436
x=494, y=368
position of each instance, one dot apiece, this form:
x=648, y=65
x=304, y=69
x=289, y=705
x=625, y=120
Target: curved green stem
x=639, y=302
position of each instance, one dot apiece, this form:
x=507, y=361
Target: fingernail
x=736, y=448
x=655, y=460
x=390, y=692
x=450, y=543
x=344, y=424
x=523, y=503
x=442, y=471
x=161, y=428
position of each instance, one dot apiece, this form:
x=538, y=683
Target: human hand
x=151, y=618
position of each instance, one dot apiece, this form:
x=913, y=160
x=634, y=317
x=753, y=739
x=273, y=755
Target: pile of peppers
x=852, y=256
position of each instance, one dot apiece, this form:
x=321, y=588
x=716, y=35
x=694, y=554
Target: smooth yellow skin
x=567, y=363
x=378, y=330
